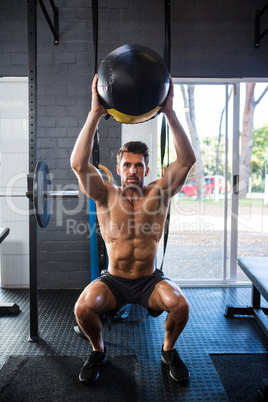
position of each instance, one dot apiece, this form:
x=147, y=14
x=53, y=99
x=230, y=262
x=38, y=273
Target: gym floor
x=207, y=331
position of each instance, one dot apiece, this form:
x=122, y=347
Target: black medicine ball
x=133, y=83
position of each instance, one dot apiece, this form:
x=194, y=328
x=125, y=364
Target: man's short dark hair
x=135, y=147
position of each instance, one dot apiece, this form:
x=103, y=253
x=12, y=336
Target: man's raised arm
x=90, y=180
x=175, y=175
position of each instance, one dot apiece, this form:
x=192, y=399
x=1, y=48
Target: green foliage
x=209, y=152
x=258, y=158
x=260, y=148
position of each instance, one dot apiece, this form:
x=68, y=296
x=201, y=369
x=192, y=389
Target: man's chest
x=132, y=219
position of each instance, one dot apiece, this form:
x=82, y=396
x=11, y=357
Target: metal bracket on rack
x=54, y=27
x=258, y=34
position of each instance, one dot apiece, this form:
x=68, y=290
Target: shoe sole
x=183, y=379
x=85, y=380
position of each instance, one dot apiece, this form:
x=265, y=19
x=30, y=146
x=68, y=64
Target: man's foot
x=90, y=370
x=177, y=369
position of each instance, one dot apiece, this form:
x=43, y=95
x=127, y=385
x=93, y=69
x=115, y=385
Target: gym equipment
x=133, y=83
x=256, y=270
x=3, y=234
x=164, y=125
x=32, y=91
x=7, y=308
x=98, y=254
x=258, y=34
x=41, y=194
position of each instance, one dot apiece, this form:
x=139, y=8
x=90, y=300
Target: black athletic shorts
x=132, y=291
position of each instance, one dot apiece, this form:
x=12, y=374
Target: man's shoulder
x=154, y=185
x=110, y=192
x=113, y=191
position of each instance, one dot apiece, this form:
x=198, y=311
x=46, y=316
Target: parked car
x=189, y=189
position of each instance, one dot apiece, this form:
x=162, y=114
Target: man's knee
x=183, y=306
x=83, y=309
x=179, y=306
x=93, y=299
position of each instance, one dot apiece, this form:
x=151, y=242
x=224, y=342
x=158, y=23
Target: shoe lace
x=175, y=358
x=92, y=359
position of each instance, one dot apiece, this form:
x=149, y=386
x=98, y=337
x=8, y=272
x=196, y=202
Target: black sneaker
x=90, y=370
x=177, y=369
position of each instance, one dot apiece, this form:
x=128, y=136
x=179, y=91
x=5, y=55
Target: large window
x=213, y=225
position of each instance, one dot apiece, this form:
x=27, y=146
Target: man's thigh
x=165, y=296
x=98, y=296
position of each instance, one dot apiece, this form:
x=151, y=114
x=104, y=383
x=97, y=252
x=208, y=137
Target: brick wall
x=208, y=39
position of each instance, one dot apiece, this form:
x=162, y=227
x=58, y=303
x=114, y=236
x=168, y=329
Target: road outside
x=195, y=245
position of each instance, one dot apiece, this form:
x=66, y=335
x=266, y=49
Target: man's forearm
x=183, y=148
x=84, y=143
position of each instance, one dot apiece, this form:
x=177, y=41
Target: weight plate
x=41, y=184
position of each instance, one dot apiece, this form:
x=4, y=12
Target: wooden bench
x=256, y=269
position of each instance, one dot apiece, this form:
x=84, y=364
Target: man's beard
x=133, y=185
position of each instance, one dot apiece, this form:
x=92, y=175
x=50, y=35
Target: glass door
x=228, y=218
x=253, y=179
x=198, y=246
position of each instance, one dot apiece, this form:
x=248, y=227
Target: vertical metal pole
x=225, y=188
x=167, y=34
x=255, y=298
x=95, y=25
x=235, y=185
x=257, y=29
x=32, y=49
x=56, y=24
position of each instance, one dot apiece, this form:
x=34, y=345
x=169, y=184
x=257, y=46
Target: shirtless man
x=131, y=219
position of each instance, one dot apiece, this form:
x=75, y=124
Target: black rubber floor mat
x=241, y=374
x=208, y=331
x=55, y=378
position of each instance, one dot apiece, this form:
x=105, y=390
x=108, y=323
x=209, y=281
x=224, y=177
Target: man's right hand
x=168, y=106
x=96, y=106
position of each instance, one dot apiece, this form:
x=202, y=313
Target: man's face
x=132, y=170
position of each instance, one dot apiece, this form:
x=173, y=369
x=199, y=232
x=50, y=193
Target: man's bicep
x=92, y=184
x=174, y=178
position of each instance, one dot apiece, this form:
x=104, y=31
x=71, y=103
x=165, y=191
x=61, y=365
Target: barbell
x=41, y=194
